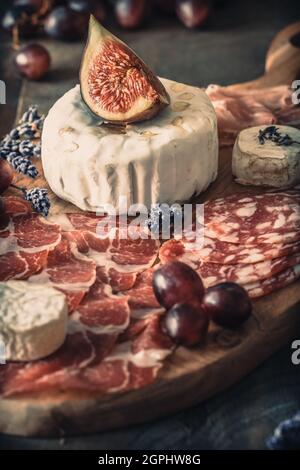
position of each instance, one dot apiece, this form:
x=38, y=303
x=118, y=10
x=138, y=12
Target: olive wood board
x=189, y=376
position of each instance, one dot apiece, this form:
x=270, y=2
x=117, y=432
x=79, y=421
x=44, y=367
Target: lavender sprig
x=272, y=133
x=161, y=213
x=22, y=165
x=17, y=147
x=38, y=197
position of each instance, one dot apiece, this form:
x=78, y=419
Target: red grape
x=130, y=13
x=64, y=23
x=175, y=283
x=192, y=13
x=6, y=175
x=94, y=7
x=33, y=61
x=227, y=304
x=186, y=324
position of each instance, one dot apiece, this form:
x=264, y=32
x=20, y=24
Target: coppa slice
x=115, y=84
x=68, y=271
x=26, y=241
x=250, y=219
x=95, y=357
x=92, y=333
x=118, y=260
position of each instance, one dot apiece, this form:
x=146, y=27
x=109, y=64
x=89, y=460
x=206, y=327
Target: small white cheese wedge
x=164, y=160
x=33, y=320
x=268, y=163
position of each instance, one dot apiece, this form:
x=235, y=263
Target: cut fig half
x=115, y=83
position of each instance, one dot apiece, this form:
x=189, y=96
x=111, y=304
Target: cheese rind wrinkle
x=33, y=320
x=168, y=159
x=266, y=164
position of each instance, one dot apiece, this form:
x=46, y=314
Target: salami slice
x=273, y=283
x=213, y=273
x=215, y=251
x=251, y=219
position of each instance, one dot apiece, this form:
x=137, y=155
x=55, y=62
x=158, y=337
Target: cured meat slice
x=118, y=260
x=92, y=333
x=85, y=363
x=141, y=295
x=25, y=242
x=133, y=364
x=215, y=251
x=16, y=206
x=69, y=271
x=252, y=219
x=273, y=283
x=236, y=110
x=214, y=273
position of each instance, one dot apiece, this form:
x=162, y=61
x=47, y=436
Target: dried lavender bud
x=272, y=133
x=22, y=165
x=38, y=197
x=14, y=134
x=161, y=213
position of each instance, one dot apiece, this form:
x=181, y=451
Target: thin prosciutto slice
x=237, y=110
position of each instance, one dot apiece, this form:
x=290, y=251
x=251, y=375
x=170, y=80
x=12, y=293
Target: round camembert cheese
x=167, y=159
x=33, y=320
x=268, y=163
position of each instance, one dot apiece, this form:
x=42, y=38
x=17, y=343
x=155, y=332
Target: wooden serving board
x=189, y=375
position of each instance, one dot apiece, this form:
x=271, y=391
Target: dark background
x=230, y=48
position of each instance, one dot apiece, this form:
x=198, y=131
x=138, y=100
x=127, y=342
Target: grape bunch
x=68, y=19
x=189, y=307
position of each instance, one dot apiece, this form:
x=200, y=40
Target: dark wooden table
x=230, y=49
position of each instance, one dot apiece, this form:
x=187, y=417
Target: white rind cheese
x=33, y=320
x=167, y=159
x=266, y=164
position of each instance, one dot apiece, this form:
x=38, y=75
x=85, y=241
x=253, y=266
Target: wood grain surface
x=189, y=375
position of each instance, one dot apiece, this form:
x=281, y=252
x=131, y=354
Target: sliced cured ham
x=237, y=110
x=16, y=206
x=95, y=356
x=25, y=242
x=68, y=271
x=118, y=260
